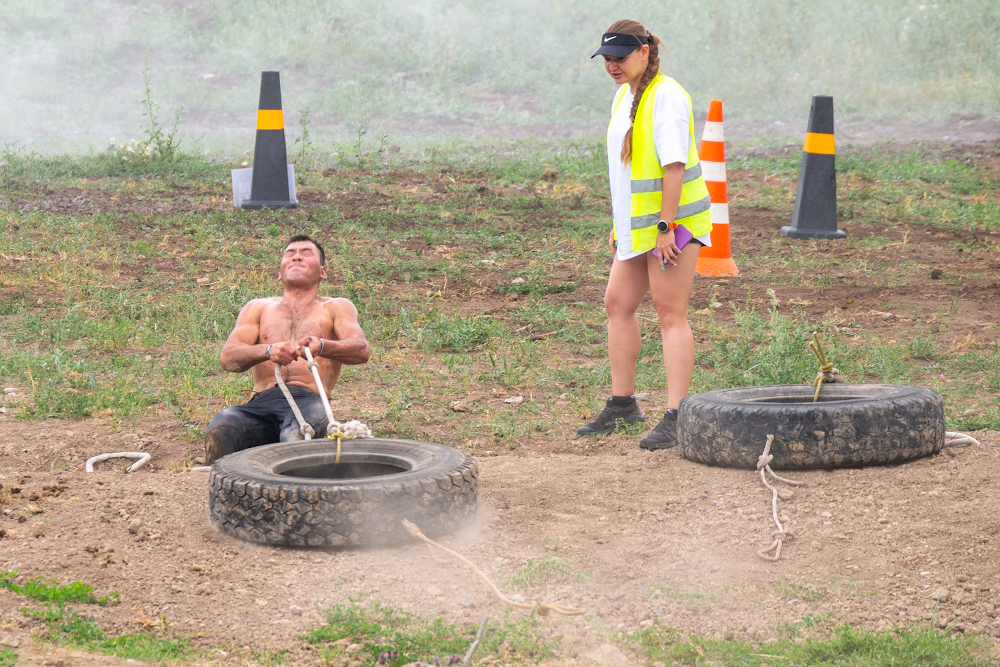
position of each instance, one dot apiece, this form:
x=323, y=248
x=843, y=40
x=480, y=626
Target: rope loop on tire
x=827, y=373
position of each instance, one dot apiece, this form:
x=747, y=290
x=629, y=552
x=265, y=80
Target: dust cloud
x=431, y=70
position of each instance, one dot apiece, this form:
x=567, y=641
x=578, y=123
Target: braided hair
x=629, y=27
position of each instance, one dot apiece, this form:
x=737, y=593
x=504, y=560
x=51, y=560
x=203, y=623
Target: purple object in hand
x=681, y=237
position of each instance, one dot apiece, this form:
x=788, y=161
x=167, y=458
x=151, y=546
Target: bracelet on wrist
x=267, y=352
x=322, y=346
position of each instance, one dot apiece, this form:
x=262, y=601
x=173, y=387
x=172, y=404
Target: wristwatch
x=665, y=226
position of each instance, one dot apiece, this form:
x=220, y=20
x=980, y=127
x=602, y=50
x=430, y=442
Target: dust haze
x=429, y=71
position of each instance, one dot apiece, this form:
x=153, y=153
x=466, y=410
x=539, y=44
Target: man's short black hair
x=303, y=237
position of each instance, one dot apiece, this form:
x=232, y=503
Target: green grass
x=516, y=64
x=102, y=313
x=51, y=591
x=8, y=657
x=64, y=627
x=379, y=629
x=547, y=569
x=843, y=646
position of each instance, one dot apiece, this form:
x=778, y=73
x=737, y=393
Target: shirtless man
x=277, y=330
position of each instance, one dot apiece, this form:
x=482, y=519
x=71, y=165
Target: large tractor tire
x=293, y=493
x=850, y=425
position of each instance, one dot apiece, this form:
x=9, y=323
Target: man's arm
x=242, y=351
x=351, y=346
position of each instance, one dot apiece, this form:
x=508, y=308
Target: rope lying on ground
x=475, y=644
x=335, y=430
x=763, y=464
x=952, y=438
x=143, y=457
x=827, y=373
x=542, y=608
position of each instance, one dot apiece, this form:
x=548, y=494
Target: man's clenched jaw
x=300, y=264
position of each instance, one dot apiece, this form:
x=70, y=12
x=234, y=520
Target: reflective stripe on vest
x=647, y=174
x=656, y=184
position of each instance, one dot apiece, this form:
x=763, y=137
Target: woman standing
x=661, y=219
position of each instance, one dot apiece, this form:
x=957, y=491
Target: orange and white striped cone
x=716, y=260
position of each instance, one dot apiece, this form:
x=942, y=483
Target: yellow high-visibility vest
x=647, y=174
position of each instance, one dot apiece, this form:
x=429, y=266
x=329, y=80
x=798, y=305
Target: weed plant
x=382, y=630
x=844, y=646
x=51, y=591
x=64, y=627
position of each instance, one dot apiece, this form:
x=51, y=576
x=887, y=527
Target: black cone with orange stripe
x=269, y=187
x=815, y=212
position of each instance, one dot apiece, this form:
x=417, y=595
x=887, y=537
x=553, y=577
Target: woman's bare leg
x=671, y=291
x=627, y=285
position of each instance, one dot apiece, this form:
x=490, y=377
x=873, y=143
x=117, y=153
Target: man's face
x=300, y=265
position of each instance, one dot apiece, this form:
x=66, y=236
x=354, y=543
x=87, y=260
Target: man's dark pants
x=264, y=419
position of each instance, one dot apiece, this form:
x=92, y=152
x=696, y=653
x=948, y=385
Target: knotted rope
x=542, y=608
x=763, y=464
x=827, y=373
x=335, y=430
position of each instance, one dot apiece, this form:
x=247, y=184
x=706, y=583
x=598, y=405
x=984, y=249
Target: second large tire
x=293, y=494
x=851, y=425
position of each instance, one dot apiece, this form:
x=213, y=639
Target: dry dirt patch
x=627, y=534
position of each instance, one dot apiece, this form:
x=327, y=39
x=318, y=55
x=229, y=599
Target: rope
x=952, y=438
x=305, y=428
x=475, y=644
x=827, y=373
x=542, y=608
x=334, y=429
x=143, y=457
x=763, y=464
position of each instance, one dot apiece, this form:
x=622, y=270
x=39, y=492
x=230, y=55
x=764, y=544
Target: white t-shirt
x=671, y=141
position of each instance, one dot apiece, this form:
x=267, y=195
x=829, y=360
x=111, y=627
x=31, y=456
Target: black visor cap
x=617, y=45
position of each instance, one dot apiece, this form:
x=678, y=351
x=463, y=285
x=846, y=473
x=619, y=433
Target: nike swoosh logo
x=608, y=39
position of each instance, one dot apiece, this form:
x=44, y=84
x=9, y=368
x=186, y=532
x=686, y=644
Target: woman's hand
x=611, y=240
x=667, y=248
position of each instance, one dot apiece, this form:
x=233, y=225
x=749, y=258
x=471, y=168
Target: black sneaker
x=612, y=418
x=664, y=436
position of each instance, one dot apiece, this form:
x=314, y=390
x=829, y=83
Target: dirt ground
x=644, y=536
x=640, y=535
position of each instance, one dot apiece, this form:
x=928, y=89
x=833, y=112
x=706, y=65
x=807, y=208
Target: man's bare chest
x=281, y=323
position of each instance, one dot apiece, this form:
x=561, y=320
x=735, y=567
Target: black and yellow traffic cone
x=269, y=188
x=815, y=212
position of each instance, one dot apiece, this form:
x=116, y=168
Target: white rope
x=311, y=365
x=143, y=457
x=305, y=428
x=763, y=464
x=334, y=428
x=955, y=438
